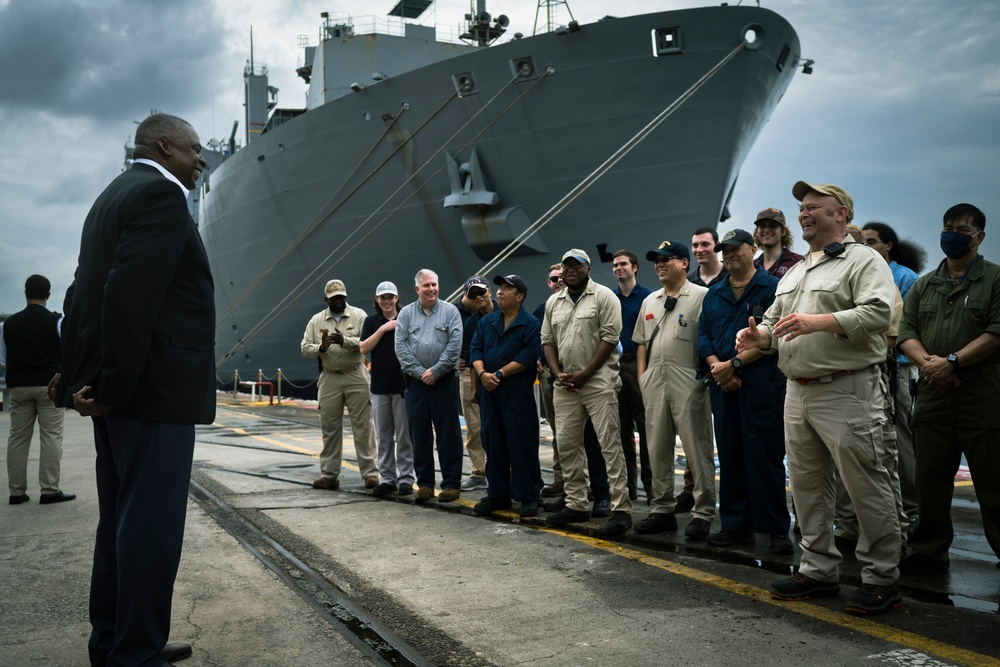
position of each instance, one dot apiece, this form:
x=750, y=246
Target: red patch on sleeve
x=649, y=316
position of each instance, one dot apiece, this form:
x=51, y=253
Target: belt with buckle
x=342, y=372
x=824, y=378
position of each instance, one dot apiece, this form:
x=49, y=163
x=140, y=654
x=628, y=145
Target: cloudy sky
x=903, y=109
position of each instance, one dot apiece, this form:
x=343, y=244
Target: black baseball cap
x=514, y=281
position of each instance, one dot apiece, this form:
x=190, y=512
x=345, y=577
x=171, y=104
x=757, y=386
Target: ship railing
x=378, y=25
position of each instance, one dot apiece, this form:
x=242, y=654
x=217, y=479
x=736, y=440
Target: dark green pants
x=946, y=425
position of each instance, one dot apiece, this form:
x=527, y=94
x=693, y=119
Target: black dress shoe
x=176, y=652
x=17, y=500
x=57, y=497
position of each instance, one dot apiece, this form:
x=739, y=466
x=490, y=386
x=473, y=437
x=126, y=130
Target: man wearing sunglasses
x=476, y=304
x=677, y=402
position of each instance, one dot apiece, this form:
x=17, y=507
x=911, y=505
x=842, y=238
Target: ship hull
x=342, y=191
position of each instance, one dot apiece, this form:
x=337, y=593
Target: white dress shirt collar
x=163, y=171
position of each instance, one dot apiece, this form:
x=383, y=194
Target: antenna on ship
x=259, y=97
x=481, y=28
x=551, y=8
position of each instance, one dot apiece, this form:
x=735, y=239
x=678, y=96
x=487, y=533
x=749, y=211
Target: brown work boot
x=371, y=482
x=448, y=495
x=424, y=493
x=328, y=483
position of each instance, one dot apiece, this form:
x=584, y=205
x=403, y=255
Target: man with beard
x=334, y=335
x=772, y=236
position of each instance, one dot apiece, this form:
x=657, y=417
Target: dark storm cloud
x=92, y=59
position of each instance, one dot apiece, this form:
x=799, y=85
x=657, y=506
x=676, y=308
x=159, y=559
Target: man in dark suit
x=138, y=344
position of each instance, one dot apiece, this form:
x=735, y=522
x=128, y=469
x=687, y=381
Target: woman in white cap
x=395, y=452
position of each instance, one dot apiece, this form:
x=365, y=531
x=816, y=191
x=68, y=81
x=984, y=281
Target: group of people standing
x=814, y=357
x=790, y=355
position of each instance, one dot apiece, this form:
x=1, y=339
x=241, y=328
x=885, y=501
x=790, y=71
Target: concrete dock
x=277, y=573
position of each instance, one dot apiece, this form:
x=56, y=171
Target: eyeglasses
x=476, y=293
x=555, y=279
x=575, y=266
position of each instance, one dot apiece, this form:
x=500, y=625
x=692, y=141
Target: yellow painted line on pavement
x=271, y=441
x=844, y=620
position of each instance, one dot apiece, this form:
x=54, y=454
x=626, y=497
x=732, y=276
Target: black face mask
x=955, y=245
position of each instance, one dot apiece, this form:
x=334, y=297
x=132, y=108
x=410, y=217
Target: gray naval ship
x=486, y=156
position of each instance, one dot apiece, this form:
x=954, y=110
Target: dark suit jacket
x=140, y=315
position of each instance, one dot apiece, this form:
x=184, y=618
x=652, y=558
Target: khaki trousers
x=572, y=409
x=473, y=436
x=683, y=410
x=337, y=391
x=26, y=405
x=833, y=427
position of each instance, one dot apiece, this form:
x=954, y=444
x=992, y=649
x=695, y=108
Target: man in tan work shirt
x=828, y=323
x=579, y=334
x=677, y=401
x=333, y=335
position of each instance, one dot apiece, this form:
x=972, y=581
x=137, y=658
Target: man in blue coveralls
x=747, y=397
x=504, y=352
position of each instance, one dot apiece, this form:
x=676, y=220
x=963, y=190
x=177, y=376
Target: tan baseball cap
x=801, y=188
x=335, y=288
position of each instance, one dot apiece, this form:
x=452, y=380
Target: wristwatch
x=953, y=360
x=736, y=363
x=499, y=375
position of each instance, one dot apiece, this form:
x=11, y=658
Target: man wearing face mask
x=334, y=335
x=951, y=333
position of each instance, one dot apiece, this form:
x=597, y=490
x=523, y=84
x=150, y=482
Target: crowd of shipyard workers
x=872, y=381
